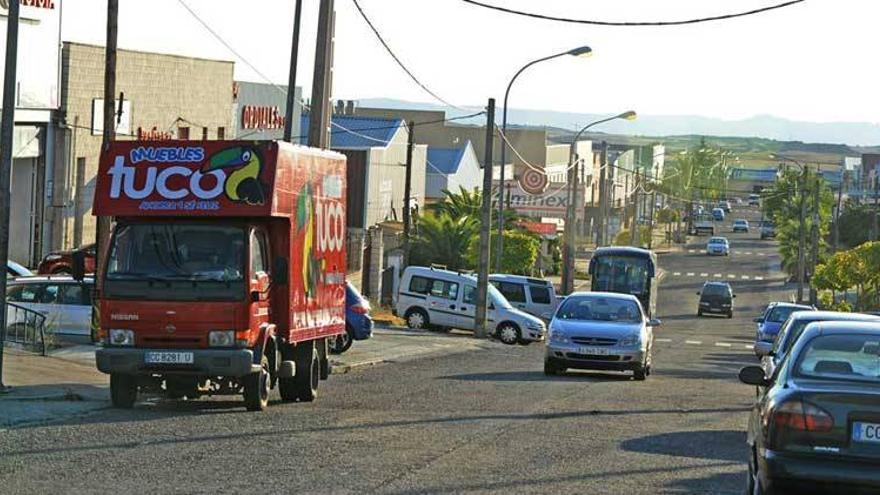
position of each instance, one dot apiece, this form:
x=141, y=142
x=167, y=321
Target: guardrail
x=26, y=327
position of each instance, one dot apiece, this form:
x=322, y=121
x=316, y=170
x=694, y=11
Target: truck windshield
x=624, y=274
x=176, y=261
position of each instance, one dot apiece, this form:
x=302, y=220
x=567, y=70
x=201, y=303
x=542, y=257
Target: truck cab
x=225, y=271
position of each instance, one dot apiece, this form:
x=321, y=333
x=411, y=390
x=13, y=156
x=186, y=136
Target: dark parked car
x=716, y=297
x=61, y=262
x=358, y=324
x=816, y=423
x=768, y=230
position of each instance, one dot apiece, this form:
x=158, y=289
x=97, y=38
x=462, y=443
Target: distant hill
x=760, y=126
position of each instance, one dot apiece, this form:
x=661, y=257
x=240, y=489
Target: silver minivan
x=438, y=298
x=532, y=295
x=65, y=302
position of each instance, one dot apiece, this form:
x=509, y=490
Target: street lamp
x=568, y=268
x=582, y=51
x=802, y=228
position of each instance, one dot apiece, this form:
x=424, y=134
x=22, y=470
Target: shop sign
x=39, y=52
x=261, y=117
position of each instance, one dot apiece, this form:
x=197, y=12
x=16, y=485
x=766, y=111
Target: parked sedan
x=358, y=324
x=773, y=317
x=718, y=246
x=65, y=302
x=772, y=353
x=816, y=423
x=600, y=331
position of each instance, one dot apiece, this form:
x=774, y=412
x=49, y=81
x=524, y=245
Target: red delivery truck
x=225, y=271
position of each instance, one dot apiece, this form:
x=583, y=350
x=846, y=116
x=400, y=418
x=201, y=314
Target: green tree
x=465, y=203
x=442, y=239
x=855, y=224
x=519, y=256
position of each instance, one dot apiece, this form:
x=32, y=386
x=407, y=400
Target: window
x=419, y=285
x=183, y=133
x=204, y=133
x=515, y=293
x=841, y=357
x=258, y=254
x=592, y=308
x=22, y=293
x=469, y=296
x=72, y=294
x=540, y=295
x=444, y=290
x=49, y=295
x=221, y=133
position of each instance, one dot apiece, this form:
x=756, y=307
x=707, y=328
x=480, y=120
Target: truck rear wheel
x=123, y=390
x=308, y=372
x=256, y=387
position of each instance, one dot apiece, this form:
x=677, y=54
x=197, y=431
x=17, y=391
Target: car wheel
x=256, y=387
x=416, y=319
x=729, y=315
x=123, y=390
x=699, y=313
x=641, y=373
x=508, y=333
x=551, y=368
x=342, y=342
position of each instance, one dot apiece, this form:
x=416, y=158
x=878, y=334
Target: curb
x=342, y=369
x=59, y=397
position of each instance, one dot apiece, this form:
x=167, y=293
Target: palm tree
x=443, y=239
x=467, y=203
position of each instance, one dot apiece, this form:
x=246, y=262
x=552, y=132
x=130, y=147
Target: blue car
x=358, y=324
x=773, y=317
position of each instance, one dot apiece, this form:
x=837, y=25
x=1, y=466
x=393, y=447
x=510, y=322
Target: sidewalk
x=67, y=383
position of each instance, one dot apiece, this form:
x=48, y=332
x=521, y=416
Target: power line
x=632, y=24
x=397, y=59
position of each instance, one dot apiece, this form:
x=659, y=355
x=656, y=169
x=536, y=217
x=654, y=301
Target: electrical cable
x=633, y=24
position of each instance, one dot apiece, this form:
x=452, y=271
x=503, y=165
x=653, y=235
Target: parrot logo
x=243, y=184
x=305, y=222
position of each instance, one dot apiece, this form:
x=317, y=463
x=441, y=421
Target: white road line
x=662, y=340
x=690, y=274
x=737, y=252
x=749, y=253
x=762, y=254
x=745, y=277
x=692, y=250
x=730, y=275
x=693, y=342
x=676, y=274
x=749, y=346
x=704, y=275
x=759, y=278
x=723, y=344
x=718, y=275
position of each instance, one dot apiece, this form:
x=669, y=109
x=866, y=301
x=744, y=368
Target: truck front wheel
x=123, y=390
x=256, y=387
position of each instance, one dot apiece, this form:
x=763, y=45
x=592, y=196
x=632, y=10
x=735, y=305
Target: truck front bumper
x=206, y=362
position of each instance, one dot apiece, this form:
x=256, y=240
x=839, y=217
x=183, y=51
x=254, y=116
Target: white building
x=452, y=169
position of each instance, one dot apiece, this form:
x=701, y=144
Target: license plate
x=866, y=432
x=169, y=358
x=594, y=351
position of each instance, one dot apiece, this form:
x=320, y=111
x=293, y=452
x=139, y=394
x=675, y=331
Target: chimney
x=349, y=107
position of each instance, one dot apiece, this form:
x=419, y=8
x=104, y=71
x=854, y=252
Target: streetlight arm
x=523, y=69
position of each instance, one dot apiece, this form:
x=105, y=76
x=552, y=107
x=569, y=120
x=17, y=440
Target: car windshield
x=716, y=290
x=741, y=222
x=781, y=313
x=498, y=299
x=592, y=308
x=853, y=357
x=626, y=274
x=717, y=240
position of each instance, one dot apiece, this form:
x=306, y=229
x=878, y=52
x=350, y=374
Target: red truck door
x=259, y=279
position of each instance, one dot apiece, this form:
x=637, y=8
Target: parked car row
x=816, y=421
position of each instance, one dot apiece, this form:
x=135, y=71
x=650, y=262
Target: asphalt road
x=481, y=421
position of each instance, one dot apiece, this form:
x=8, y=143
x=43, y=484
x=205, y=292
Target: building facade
x=452, y=169
x=163, y=97
x=260, y=111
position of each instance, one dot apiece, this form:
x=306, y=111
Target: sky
x=815, y=61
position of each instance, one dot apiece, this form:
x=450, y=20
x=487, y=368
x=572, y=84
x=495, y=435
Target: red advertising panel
x=539, y=227
x=182, y=178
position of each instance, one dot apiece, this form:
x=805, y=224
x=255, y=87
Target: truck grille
x=171, y=342
x=593, y=341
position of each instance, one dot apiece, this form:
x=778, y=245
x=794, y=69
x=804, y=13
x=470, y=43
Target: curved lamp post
x=582, y=51
x=570, y=215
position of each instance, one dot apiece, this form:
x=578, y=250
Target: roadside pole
x=814, y=255
x=603, y=197
x=875, y=225
x=291, y=81
x=802, y=237
x=485, y=225
x=835, y=237
x=7, y=127
x=634, y=232
x=322, y=80
x=568, y=255
x=407, y=192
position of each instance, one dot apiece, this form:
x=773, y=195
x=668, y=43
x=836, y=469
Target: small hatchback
x=741, y=225
x=358, y=323
x=716, y=297
x=718, y=246
x=718, y=214
x=600, y=331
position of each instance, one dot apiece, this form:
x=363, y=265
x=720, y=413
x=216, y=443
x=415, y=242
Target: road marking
x=704, y=275
x=692, y=250
x=690, y=274
x=762, y=254
x=723, y=344
x=749, y=346
x=749, y=253
x=663, y=340
x=759, y=277
x=676, y=274
x=737, y=252
x=745, y=277
x=730, y=275
x=718, y=275
x=693, y=342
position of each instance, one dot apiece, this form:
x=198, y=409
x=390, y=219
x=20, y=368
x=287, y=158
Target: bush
x=624, y=238
x=519, y=256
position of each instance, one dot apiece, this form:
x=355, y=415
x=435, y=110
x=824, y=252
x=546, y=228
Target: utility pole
x=7, y=127
x=407, y=188
x=322, y=81
x=485, y=225
x=802, y=237
x=291, y=81
x=835, y=238
x=634, y=233
x=875, y=227
x=814, y=255
x=603, y=195
x=568, y=258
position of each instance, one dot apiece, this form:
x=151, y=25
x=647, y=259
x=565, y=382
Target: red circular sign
x=533, y=181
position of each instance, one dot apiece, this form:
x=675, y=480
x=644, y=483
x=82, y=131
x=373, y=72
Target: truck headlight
x=630, y=340
x=121, y=337
x=221, y=338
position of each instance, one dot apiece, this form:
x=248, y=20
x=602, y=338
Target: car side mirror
x=753, y=375
x=763, y=348
x=78, y=266
x=698, y=293
x=655, y=323
x=758, y=320
x=280, y=271
x=733, y=296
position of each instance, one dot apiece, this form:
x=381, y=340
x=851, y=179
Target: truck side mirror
x=280, y=271
x=78, y=266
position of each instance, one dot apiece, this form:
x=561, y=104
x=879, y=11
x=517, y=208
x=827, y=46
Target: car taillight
x=802, y=416
x=360, y=309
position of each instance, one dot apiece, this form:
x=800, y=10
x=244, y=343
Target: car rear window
x=841, y=357
x=716, y=290
x=540, y=295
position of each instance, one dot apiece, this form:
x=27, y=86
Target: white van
x=532, y=295
x=432, y=297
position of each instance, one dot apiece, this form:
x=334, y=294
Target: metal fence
x=25, y=327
